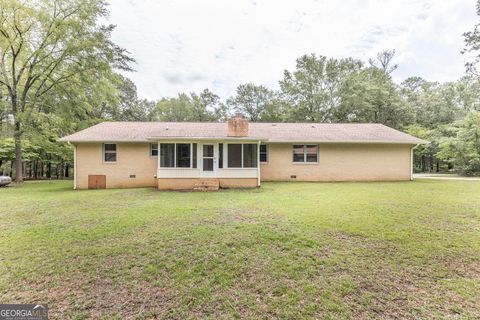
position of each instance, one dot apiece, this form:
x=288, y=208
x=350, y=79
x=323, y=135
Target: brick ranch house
x=237, y=154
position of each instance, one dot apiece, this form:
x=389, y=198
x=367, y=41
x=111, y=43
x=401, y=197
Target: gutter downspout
x=158, y=161
x=74, y=166
x=411, y=161
x=258, y=163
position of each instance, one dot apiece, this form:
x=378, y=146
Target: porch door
x=208, y=162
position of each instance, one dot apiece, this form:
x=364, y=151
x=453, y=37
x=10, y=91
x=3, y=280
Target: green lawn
x=286, y=250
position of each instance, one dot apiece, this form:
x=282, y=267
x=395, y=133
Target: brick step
x=207, y=185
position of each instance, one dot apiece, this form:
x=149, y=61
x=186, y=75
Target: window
x=220, y=155
x=234, y=155
x=194, y=157
x=242, y=155
x=167, y=155
x=153, y=149
x=263, y=153
x=305, y=153
x=177, y=155
x=183, y=155
x=109, y=152
x=250, y=155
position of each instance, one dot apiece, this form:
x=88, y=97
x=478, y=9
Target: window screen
x=298, y=155
x=110, y=152
x=234, y=155
x=153, y=149
x=183, y=155
x=249, y=155
x=263, y=153
x=167, y=155
x=194, y=157
x=220, y=155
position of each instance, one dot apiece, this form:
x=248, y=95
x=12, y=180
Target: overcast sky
x=189, y=45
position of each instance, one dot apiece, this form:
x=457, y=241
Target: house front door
x=209, y=160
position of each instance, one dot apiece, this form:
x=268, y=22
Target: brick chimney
x=238, y=127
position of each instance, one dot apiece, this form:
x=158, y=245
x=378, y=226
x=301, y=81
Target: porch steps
x=207, y=185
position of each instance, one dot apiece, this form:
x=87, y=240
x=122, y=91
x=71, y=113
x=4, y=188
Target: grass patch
x=286, y=250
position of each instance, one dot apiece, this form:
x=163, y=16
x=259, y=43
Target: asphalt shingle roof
x=272, y=132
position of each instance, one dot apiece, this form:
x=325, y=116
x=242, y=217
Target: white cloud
x=188, y=45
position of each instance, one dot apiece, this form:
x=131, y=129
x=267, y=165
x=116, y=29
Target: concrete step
x=207, y=185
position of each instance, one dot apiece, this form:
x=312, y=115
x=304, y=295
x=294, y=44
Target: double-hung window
x=263, y=153
x=109, y=152
x=305, y=153
x=242, y=155
x=153, y=149
x=176, y=155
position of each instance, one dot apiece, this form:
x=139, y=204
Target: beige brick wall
x=132, y=159
x=340, y=162
x=337, y=162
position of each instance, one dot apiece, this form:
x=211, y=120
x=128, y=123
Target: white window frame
x=242, y=167
x=105, y=151
x=175, y=156
x=150, y=149
x=305, y=153
x=267, y=147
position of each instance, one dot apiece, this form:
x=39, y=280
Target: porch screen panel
x=183, y=155
x=167, y=155
x=220, y=155
x=249, y=155
x=234, y=155
x=194, y=157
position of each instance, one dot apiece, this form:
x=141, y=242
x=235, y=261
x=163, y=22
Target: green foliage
x=257, y=103
x=205, y=106
x=48, y=46
x=370, y=95
x=313, y=88
x=463, y=149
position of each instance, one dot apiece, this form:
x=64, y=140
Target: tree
x=472, y=45
x=252, y=101
x=46, y=45
x=370, y=95
x=312, y=88
x=383, y=61
x=463, y=150
x=132, y=108
x=205, y=106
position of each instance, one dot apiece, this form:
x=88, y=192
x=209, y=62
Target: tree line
x=59, y=73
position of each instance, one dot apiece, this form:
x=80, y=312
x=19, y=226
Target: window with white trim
x=109, y=152
x=305, y=153
x=242, y=155
x=176, y=155
x=263, y=153
x=153, y=149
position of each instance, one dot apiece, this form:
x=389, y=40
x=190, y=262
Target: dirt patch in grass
x=388, y=288
x=84, y=297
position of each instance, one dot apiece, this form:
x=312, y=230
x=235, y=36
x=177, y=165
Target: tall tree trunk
x=67, y=167
x=35, y=169
x=18, y=152
x=49, y=168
